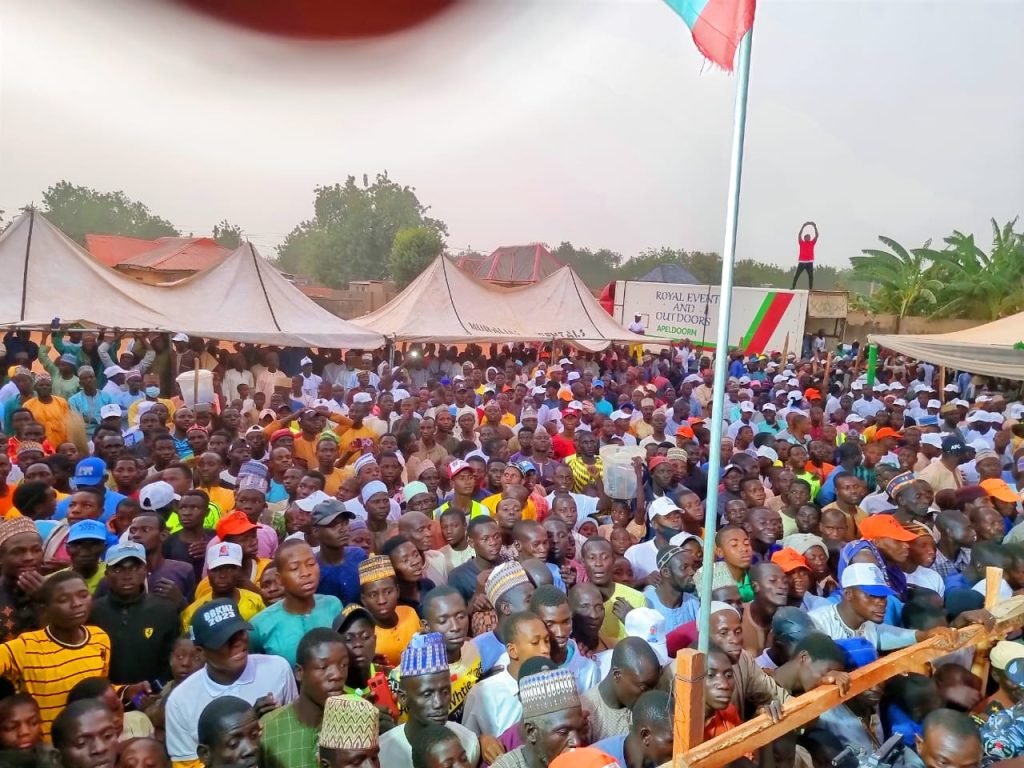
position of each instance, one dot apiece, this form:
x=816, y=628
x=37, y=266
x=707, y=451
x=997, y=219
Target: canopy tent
x=989, y=349
x=243, y=298
x=448, y=306
x=48, y=275
x=512, y=264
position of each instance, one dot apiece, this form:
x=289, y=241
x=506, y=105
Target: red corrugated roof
x=180, y=254
x=111, y=250
x=513, y=264
x=170, y=254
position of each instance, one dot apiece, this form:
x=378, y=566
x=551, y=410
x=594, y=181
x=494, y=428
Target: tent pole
x=28, y=252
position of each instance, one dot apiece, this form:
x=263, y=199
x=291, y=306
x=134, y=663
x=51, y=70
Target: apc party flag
x=717, y=26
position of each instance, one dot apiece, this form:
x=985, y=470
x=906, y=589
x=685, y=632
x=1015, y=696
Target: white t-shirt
x=396, y=751
x=492, y=705
x=585, y=505
x=927, y=578
x=644, y=559
x=262, y=675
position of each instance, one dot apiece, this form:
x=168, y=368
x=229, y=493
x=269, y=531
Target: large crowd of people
x=451, y=557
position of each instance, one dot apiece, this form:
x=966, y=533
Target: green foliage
x=351, y=234
x=979, y=285
x=80, y=210
x=595, y=268
x=905, y=282
x=227, y=234
x=413, y=250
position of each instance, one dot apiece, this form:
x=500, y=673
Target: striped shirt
x=584, y=474
x=47, y=669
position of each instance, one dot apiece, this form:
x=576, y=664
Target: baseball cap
x=767, y=452
x=586, y=757
x=954, y=444
x=1004, y=652
x=310, y=502
x=933, y=404
x=326, y=512
x=348, y=614
x=654, y=462
x=224, y=553
x=746, y=407
x=649, y=625
x=179, y=337
x=114, y=370
x=157, y=496
x=121, y=552
x=884, y=527
x=109, y=411
x=999, y=489
x=789, y=560
x=234, y=524
x=932, y=439
x=85, y=530
x=215, y=623
x=885, y=432
x=457, y=466
x=90, y=471
x=685, y=431
x=663, y=505
x=867, y=577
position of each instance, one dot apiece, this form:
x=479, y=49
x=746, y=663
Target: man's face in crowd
x=427, y=698
x=93, y=742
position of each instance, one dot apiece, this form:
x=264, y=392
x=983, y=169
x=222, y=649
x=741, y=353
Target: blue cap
x=526, y=466
x=121, y=552
x=627, y=405
x=91, y=471
x=597, y=383
x=87, y=529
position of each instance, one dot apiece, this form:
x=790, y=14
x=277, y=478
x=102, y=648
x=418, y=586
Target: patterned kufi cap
x=425, y=655
x=253, y=476
x=29, y=445
x=898, y=483
x=350, y=722
x=374, y=568
x=364, y=461
x=720, y=576
x=503, y=578
x=547, y=692
x=16, y=526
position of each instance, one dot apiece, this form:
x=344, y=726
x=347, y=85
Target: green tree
x=904, y=281
x=595, y=268
x=80, y=210
x=227, y=234
x=353, y=229
x=979, y=285
x=413, y=250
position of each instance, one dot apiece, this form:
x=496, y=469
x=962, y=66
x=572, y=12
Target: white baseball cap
x=663, y=505
x=224, y=553
x=573, y=376
x=109, y=411
x=867, y=577
x=856, y=386
x=305, y=361
x=747, y=407
x=769, y=407
x=362, y=397
x=648, y=624
x=933, y=439
x=933, y=404
x=157, y=496
x=951, y=388
x=307, y=504
x=853, y=418
x=765, y=452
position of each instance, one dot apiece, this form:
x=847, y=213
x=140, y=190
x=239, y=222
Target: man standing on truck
x=805, y=261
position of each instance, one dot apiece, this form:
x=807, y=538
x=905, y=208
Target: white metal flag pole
x=722, y=341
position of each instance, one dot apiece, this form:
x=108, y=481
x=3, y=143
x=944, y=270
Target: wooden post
x=688, y=713
x=785, y=351
x=942, y=381
x=980, y=667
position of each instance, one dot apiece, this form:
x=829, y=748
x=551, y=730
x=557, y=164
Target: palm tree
x=979, y=285
x=905, y=279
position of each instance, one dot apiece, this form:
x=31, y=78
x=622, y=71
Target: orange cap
x=789, y=560
x=885, y=432
x=812, y=394
x=234, y=524
x=683, y=431
x=999, y=489
x=587, y=757
x=884, y=527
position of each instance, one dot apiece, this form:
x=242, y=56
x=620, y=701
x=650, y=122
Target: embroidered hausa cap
x=425, y=655
x=350, y=723
x=374, y=568
x=548, y=692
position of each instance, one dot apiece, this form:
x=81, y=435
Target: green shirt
x=287, y=743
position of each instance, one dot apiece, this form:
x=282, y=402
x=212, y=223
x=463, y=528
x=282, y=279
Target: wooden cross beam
x=759, y=731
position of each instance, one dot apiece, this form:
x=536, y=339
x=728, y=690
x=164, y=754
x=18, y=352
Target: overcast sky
x=593, y=121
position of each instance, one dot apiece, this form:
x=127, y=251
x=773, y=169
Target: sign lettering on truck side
x=760, y=318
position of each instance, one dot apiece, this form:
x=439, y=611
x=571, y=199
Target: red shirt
x=807, y=249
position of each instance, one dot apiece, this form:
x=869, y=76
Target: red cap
x=885, y=432
x=877, y=527
x=457, y=466
x=234, y=524
x=278, y=434
x=587, y=757
x=812, y=394
x=655, y=462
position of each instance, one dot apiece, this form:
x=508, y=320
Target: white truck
x=762, y=319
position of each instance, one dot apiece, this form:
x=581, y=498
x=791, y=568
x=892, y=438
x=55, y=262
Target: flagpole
x=722, y=344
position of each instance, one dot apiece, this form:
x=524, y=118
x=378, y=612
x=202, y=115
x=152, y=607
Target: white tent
x=47, y=275
x=990, y=349
x=243, y=298
x=448, y=306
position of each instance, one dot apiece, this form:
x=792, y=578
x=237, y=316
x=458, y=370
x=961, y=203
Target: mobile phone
x=382, y=696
